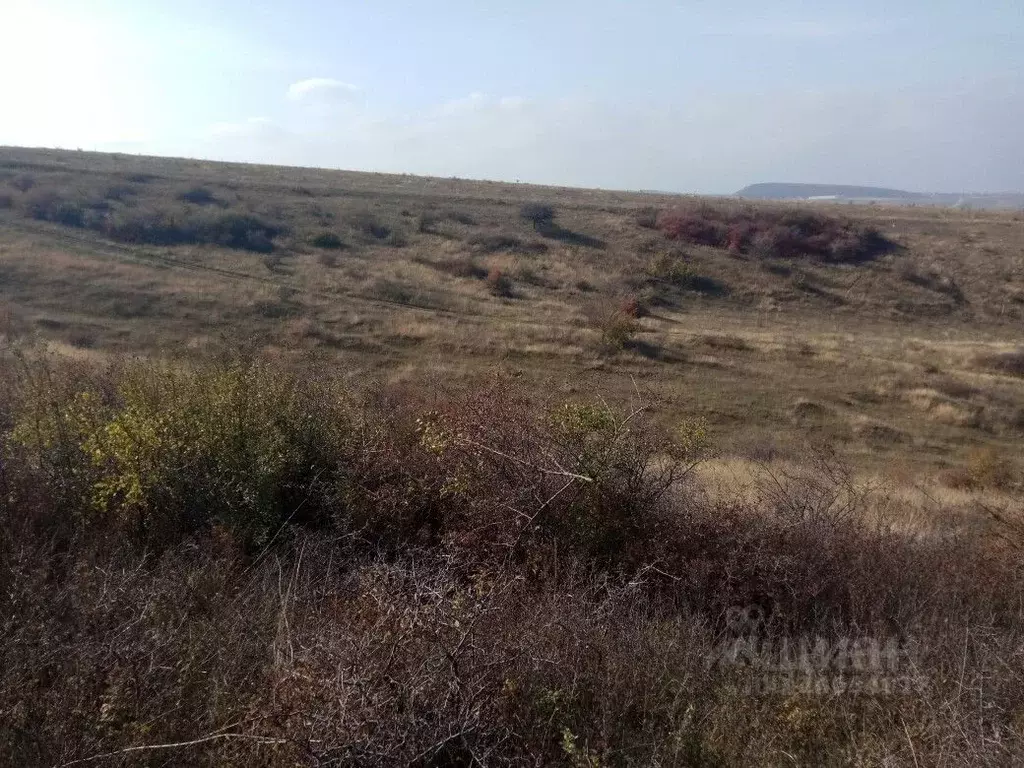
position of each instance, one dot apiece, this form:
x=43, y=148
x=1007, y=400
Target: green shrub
x=172, y=451
x=616, y=325
x=671, y=269
x=329, y=240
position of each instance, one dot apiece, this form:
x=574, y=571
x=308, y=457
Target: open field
x=885, y=357
x=293, y=457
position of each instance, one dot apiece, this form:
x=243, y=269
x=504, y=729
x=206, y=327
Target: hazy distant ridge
x=776, y=191
x=845, y=192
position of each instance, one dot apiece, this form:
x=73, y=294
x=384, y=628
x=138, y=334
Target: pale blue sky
x=688, y=96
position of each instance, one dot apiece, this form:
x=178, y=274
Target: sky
x=699, y=96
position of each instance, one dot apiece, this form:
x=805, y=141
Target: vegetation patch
x=499, y=283
x=767, y=233
x=1010, y=363
x=328, y=577
x=490, y=242
x=327, y=240
x=153, y=226
x=616, y=325
x=198, y=196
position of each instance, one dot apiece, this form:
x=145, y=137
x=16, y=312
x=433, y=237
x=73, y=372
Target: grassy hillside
x=393, y=275
x=306, y=467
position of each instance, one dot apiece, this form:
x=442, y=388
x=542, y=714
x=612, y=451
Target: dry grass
x=716, y=326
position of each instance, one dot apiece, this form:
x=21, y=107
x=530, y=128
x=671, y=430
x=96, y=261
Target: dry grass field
x=293, y=455
x=896, y=359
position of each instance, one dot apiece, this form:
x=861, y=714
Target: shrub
x=526, y=273
x=773, y=233
x=646, y=217
x=198, y=196
x=226, y=563
x=120, y=192
x=1011, y=363
x=933, y=281
x=397, y=239
x=392, y=290
x=691, y=227
x=498, y=283
x=616, y=325
x=175, y=451
x=989, y=468
x=670, y=268
x=540, y=215
x=23, y=182
x=460, y=217
x=6, y=200
x=777, y=241
x=632, y=306
x=151, y=227
x=427, y=223
x=49, y=205
x=367, y=223
x=495, y=242
x=460, y=266
x=238, y=230
x=157, y=226
x=328, y=240
x=140, y=178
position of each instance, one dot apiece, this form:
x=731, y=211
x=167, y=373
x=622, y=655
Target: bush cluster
x=230, y=562
x=774, y=233
x=154, y=226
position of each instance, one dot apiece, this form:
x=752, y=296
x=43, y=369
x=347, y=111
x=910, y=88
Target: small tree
x=539, y=214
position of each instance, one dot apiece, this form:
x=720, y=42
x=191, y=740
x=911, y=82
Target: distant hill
x=775, y=191
x=843, y=193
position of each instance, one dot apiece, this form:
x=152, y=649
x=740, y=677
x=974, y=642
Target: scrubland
x=324, y=468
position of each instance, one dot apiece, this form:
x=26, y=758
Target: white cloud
x=322, y=88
